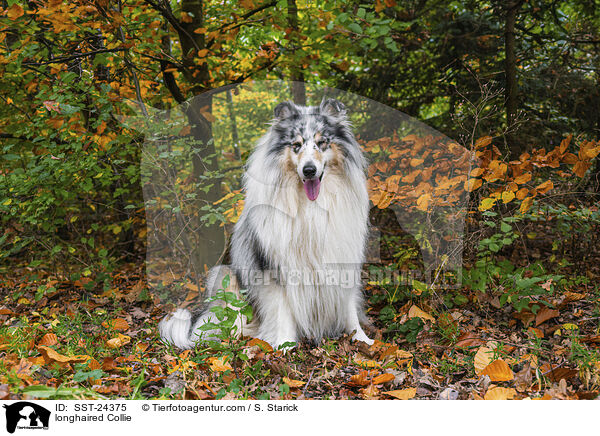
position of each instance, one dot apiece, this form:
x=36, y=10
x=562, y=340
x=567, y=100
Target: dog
x=299, y=245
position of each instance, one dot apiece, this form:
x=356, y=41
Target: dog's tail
x=182, y=330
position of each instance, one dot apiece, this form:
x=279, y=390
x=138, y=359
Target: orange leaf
x=219, y=364
x=498, y=370
x=49, y=339
x=266, y=347
x=526, y=204
x=580, y=168
x=522, y=193
x=293, y=383
x=14, y=12
x=523, y=178
x=483, y=142
x=51, y=355
x=500, y=393
x=116, y=324
x=415, y=312
x=383, y=378
x=402, y=394
x=545, y=187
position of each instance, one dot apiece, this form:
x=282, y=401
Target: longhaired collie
x=299, y=244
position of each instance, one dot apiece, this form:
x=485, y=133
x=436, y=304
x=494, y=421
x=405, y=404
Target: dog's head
x=313, y=141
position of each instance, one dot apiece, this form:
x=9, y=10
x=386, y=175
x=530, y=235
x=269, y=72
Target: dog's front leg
x=277, y=325
x=353, y=323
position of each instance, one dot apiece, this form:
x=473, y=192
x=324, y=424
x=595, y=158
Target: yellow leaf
x=415, y=312
x=500, y=393
x=416, y=162
x=14, y=12
x=487, y=203
x=423, y=202
x=402, y=394
x=118, y=342
x=293, y=383
x=498, y=371
x=507, y=196
x=483, y=358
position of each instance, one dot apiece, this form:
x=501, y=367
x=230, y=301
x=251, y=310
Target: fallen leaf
x=49, y=339
x=293, y=383
x=262, y=344
x=50, y=355
x=370, y=392
x=544, y=314
x=498, y=371
x=483, y=358
x=500, y=393
x=468, y=339
x=416, y=312
x=118, y=342
x=383, y=378
x=219, y=364
x=402, y=394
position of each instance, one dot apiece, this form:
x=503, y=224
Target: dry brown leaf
x=49, y=339
x=370, y=392
x=293, y=383
x=402, y=394
x=544, y=314
x=500, y=393
x=468, y=339
x=498, y=371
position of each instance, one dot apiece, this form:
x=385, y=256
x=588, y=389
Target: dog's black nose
x=309, y=170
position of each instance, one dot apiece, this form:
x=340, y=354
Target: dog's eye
x=322, y=144
x=296, y=146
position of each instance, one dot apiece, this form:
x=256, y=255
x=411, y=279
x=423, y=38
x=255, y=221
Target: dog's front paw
x=361, y=336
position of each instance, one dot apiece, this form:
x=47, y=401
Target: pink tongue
x=311, y=187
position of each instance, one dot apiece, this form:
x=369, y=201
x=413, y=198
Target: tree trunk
x=510, y=69
x=296, y=74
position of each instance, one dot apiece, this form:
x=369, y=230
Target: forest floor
x=60, y=340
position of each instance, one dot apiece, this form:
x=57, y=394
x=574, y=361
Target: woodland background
x=516, y=82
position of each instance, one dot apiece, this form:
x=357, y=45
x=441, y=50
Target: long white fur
x=324, y=237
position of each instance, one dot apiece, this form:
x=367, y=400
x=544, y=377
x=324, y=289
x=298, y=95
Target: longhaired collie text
x=299, y=244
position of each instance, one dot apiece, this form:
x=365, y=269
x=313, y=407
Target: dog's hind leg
x=181, y=330
x=353, y=323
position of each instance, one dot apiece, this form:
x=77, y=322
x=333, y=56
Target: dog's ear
x=285, y=110
x=333, y=108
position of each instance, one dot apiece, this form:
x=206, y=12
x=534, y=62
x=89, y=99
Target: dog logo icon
x=26, y=415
